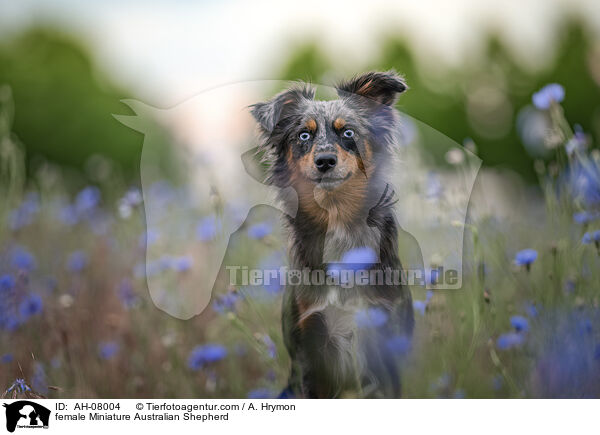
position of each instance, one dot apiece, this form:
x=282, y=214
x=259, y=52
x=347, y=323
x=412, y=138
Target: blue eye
x=304, y=136
x=348, y=133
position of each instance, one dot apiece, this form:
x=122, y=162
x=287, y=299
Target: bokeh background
x=76, y=319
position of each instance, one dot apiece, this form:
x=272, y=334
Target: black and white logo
x=26, y=414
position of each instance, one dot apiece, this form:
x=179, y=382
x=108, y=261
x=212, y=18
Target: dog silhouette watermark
x=221, y=181
x=26, y=414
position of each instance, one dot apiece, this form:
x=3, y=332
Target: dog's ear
x=269, y=113
x=381, y=87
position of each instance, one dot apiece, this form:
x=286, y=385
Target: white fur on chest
x=340, y=240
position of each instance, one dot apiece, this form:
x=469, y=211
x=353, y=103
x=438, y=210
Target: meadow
x=77, y=320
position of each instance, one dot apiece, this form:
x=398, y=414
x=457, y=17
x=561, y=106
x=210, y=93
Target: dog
x=336, y=156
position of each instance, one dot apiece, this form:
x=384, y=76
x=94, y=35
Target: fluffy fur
x=345, y=207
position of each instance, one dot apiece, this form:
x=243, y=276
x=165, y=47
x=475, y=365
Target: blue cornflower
x=531, y=310
x=353, y=260
x=260, y=230
x=543, y=98
x=225, y=303
x=586, y=239
x=8, y=320
x=108, y=349
x=24, y=214
x=585, y=217
x=497, y=382
x=420, y=306
x=362, y=256
x=38, y=379
x=591, y=237
x=399, y=345
x=208, y=228
x=20, y=386
x=126, y=293
x=520, y=323
x=7, y=358
x=133, y=197
x=510, y=340
x=77, y=261
x=372, y=317
x=432, y=276
x=7, y=283
x=206, y=354
x=584, y=179
x=155, y=267
x=578, y=142
x=22, y=259
x=262, y=393
x=271, y=349
x=526, y=257
x=87, y=199
x=272, y=272
x=30, y=306
x=181, y=264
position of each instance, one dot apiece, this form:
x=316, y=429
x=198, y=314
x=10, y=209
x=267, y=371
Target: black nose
x=325, y=161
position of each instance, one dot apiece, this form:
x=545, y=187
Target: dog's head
x=331, y=149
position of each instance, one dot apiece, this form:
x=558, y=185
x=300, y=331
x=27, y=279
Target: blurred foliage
x=66, y=259
x=11, y=155
x=482, y=100
x=63, y=104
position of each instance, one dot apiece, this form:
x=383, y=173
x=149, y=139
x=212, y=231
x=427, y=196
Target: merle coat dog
x=336, y=155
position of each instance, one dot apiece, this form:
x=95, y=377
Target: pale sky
x=167, y=51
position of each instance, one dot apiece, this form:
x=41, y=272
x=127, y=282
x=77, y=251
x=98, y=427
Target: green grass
x=455, y=349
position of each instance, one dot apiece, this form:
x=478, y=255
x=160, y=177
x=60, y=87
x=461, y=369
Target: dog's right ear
x=269, y=113
x=380, y=87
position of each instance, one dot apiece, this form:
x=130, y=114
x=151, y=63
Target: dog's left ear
x=381, y=87
x=269, y=113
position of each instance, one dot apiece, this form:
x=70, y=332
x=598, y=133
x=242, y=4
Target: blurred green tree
x=483, y=99
x=63, y=105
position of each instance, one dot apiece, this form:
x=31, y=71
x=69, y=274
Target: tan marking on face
x=346, y=161
x=290, y=158
x=311, y=124
x=343, y=205
x=305, y=187
x=305, y=162
x=339, y=123
x=360, y=160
